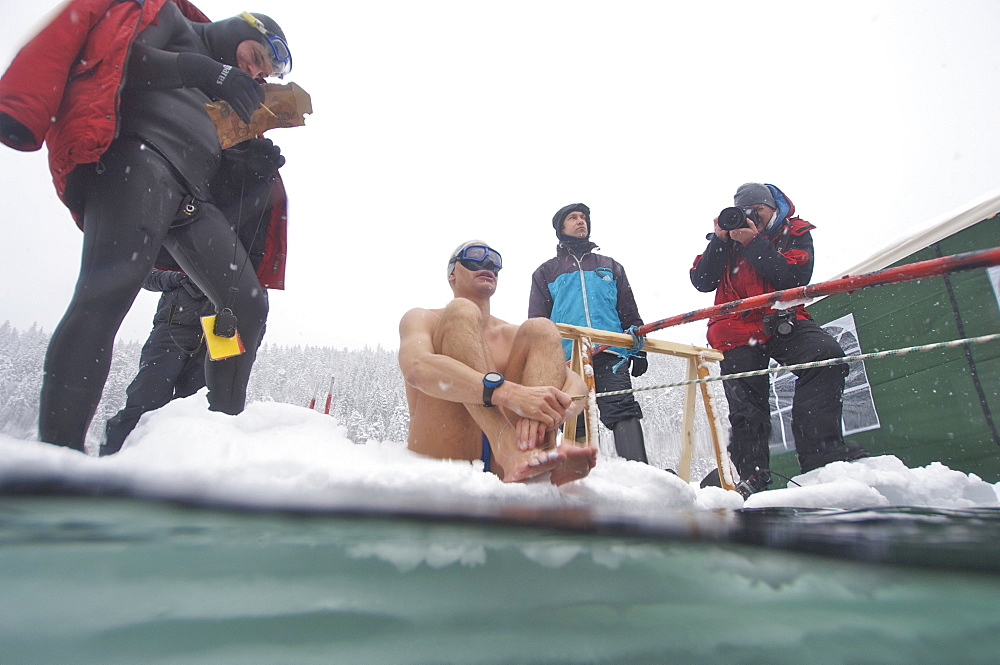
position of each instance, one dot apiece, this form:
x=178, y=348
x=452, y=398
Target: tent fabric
x=931, y=407
x=933, y=231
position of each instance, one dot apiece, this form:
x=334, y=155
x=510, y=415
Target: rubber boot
x=757, y=482
x=629, y=440
x=118, y=427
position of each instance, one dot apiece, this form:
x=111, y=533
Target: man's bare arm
x=434, y=374
x=446, y=378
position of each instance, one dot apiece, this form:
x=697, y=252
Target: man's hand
x=545, y=404
x=191, y=288
x=720, y=232
x=744, y=234
x=640, y=364
x=542, y=409
x=221, y=82
x=259, y=158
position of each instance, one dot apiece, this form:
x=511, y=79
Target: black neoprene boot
x=629, y=440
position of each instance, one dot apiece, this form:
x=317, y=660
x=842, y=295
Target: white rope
x=818, y=363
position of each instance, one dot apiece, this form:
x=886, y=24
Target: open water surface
x=108, y=580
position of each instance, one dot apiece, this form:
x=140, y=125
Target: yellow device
x=220, y=348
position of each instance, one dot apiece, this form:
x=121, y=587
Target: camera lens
x=732, y=218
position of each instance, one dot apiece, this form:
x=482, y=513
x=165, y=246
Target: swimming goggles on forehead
x=475, y=257
x=277, y=48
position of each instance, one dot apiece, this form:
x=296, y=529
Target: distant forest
x=366, y=388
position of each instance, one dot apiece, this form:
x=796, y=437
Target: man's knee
x=109, y=291
x=254, y=308
x=812, y=343
x=462, y=311
x=539, y=331
x=460, y=317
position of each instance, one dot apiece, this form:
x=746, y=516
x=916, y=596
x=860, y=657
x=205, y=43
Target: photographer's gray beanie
x=753, y=192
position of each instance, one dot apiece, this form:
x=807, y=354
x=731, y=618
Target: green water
x=105, y=581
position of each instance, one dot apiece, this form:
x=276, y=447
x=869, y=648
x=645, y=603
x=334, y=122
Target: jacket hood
x=786, y=209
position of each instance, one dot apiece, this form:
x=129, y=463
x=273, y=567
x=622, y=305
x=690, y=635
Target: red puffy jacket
x=65, y=85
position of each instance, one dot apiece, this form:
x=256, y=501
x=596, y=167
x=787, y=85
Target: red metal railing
x=983, y=258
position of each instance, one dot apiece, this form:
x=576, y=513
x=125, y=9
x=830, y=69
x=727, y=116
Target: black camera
x=781, y=323
x=736, y=218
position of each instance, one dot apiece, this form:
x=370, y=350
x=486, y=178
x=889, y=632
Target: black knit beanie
x=560, y=217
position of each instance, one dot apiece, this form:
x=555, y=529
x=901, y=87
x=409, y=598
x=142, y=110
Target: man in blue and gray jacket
x=582, y=288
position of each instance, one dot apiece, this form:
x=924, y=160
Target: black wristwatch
x=491, y=382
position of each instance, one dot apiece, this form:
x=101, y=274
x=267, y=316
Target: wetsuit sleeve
x=708, y=267
x=162, y=280
x=149, y=66
x=628, y=311
x=539, y=300
x=152, y=66
x=782, y=270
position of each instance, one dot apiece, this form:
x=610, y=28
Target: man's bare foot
x=567, y=463
x=576, y=463
x=530, y=464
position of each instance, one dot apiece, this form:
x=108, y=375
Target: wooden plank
x=624, y=339
x=721, y=454
x=575, y=365
x=590, y=410
x=687, y=423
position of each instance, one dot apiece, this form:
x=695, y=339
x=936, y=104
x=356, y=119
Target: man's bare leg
x=536, y=359
x=459, y=335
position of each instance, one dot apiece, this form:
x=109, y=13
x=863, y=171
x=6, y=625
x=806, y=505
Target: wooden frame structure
x=697, y=368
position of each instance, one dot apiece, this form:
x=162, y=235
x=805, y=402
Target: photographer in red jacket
x=760, y=246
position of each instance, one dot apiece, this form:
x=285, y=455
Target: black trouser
x=128, y=209
x=613, y=408
x=171, y=366
x=816, y=406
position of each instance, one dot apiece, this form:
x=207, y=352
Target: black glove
x=190, y=287
x=174, y=280
x=640, y=364
x=221, y=82
x=14, y=134
x=257, y=157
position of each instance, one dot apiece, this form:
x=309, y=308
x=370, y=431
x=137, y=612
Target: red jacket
x=65, y=85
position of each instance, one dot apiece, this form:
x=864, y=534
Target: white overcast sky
x=441, y=121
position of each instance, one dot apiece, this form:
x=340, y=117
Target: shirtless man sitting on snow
x=468, y=374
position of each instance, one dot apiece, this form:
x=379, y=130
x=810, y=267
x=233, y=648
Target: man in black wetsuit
x=153, y=189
